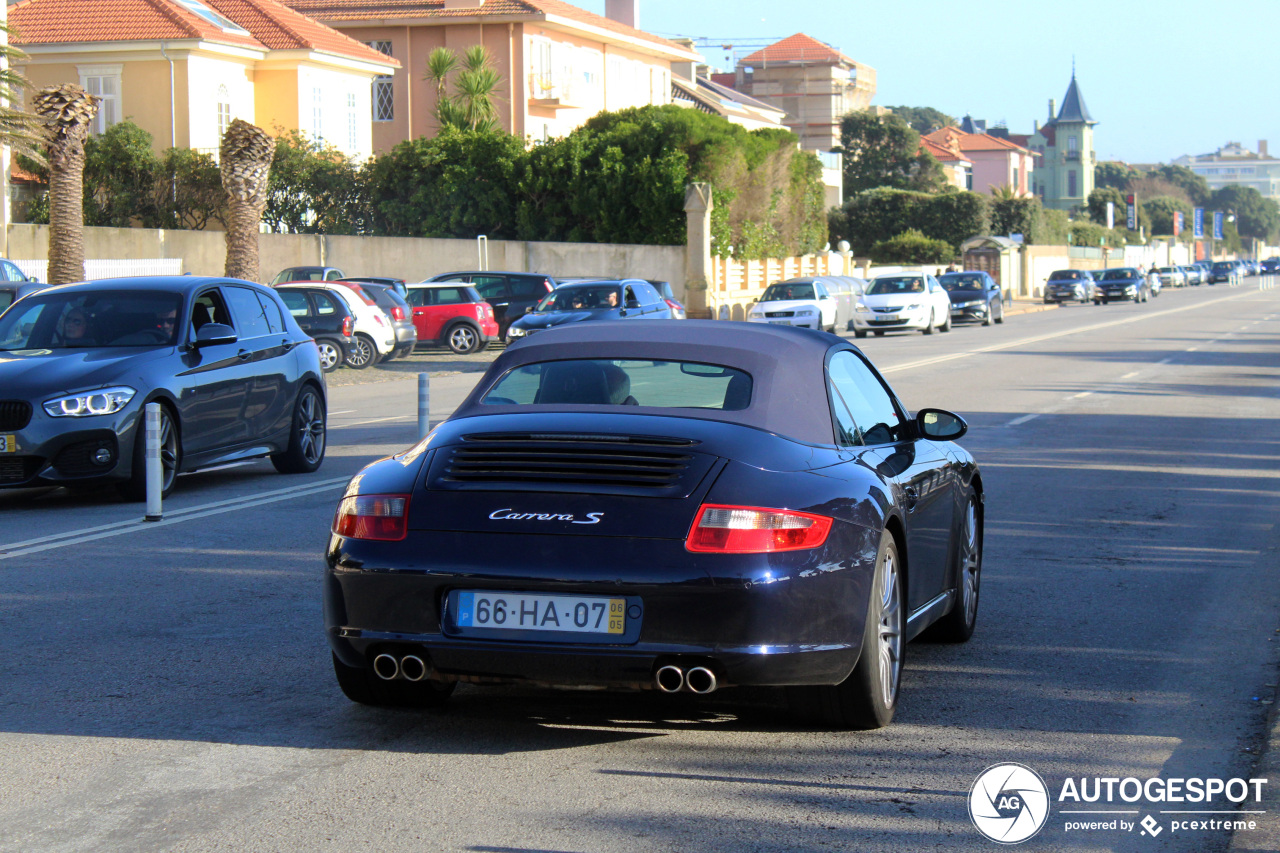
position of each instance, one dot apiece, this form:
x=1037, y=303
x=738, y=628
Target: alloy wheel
x=311, y=427
x=970, y=563
x=362, y=353
x=168, y=450
x=328, y=356
x=462, y=339
x=890, y=631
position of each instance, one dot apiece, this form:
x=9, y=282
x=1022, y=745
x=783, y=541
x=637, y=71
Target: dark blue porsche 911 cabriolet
x=680, y=506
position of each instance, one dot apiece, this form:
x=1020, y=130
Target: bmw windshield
x=579, y=298
x=98, y=318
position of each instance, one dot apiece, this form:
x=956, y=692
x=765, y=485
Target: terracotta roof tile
x=797, y=48
x=270, y=25
x=281, y=28
x=942, y=152
x=972, y=141
x=367, y=10
x=75, y=21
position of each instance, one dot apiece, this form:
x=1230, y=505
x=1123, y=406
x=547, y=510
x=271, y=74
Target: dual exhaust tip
x=409, y=667
x=673, y=679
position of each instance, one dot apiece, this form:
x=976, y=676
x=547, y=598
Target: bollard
x=154, y=468
x=424, y=405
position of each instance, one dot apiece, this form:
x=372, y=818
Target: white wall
x=345, y=109
x=205, y=76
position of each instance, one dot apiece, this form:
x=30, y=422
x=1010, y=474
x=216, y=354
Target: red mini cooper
x=452, y=313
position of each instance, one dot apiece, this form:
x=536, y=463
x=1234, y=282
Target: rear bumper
x=781, y=619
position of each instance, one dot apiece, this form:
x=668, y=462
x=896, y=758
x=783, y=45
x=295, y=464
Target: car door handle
x=287, y=345
x=244, y=355
x=911, y=496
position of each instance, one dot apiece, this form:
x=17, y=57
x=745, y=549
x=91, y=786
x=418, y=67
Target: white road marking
x=1081, y=394
x=376, y=421
x=912, y=365
x=1023, y=419
x=106, y=531
x=1130, y=375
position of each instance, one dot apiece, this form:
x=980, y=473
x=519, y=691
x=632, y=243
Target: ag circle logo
x=1009, y=803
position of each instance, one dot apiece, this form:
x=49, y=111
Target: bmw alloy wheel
x=889, y=651
x=311, y=427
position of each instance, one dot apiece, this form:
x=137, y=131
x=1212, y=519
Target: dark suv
x=323, y=316
x=511, y=294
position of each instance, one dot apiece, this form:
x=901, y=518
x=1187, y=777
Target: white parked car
x=903, y=303
x=805, y=303
x=375, y=337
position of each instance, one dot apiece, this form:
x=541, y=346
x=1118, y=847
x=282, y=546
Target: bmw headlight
x=515, y=332
x=106, y=401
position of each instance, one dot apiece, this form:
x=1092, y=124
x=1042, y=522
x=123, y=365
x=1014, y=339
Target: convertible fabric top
x=786, y=364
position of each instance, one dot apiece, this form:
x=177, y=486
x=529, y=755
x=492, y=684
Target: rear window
x=624, y=382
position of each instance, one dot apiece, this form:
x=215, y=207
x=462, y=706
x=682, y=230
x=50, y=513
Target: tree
x=1115, y=175
x=245, y=164
x=1011, y=214
x=1096, y=204
x=67, y=112
x=912, y=247
x=1160, y=212
x=882, y=151
x=1256, y=216
x=20, y=130
x=474, y=104
x=314, y=189
x=1194, y=186
x=879, y=215
x=924, y=120
x=188, y=191
x=120, y=174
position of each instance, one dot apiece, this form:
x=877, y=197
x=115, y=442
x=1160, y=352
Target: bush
x=879, y=215
x=912, y=247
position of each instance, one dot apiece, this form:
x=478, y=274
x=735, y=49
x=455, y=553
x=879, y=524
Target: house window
x=224, y=111
x=1072, y=144
x=384, y=108
x=103, y=82
x=317, y=114
x=543, y=81
x=1071, y=184
x=351, y=121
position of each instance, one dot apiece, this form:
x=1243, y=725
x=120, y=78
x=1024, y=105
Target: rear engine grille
x=18, y=469
x=598, y=464
x=14, y=414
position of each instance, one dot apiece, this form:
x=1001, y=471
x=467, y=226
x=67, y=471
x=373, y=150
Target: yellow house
x=559, y=64
x=183, y=69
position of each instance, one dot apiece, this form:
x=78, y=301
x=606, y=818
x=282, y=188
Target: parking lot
x=167, y=686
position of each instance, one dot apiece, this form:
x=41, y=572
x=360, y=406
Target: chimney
x=1053, y=110
x=1262, y=148
x=463, y=4
x=1035, y=126
x=623, y=11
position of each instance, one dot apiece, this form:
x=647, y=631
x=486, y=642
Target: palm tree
x=67, y=112
x=245, y=163
x=19, y=129
x=474, y=106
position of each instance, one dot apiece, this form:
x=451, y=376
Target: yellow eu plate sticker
x=8, y=444
x=617, y=615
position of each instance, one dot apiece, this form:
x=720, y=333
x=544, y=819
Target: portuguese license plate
x=780, y=322
x=8, y=444
x=518, y=611
x=892, y=318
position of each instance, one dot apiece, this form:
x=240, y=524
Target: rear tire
x=362, y=686
x=957, y=626
x=879, y=334
x=332, y=355
x=463, y=338
x=859, y=333
x=306, y=435
x=946, y=324
x=363, y=353
x=135, y=488
x=928, y=329
x=868, y=697
x=999, y=313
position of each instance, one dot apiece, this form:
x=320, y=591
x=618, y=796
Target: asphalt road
x=167, y=686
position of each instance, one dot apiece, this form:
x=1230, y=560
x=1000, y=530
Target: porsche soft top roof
x=789, y=393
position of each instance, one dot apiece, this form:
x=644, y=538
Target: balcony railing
x=1073, y=156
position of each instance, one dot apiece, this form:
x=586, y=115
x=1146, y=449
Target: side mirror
x=823, y=296
x=211, y=334
x=940, y=425
x=528, y=309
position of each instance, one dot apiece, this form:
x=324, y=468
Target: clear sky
x=1162, y=79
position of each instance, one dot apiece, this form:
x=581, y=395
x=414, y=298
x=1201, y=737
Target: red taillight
x=675, y=306
x=380, y=517
x=483, y=309
x=348, y=325
x=755, y=530
x=397, y=313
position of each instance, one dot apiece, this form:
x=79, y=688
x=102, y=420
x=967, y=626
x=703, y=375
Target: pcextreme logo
x=1009, y=803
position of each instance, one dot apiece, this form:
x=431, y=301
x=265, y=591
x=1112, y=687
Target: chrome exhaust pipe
x=669, y=679
x=386, y=667
x=412, y=668
x=700, y=680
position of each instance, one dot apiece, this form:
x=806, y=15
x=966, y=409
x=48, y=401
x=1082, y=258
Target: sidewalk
x=1027, y=306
